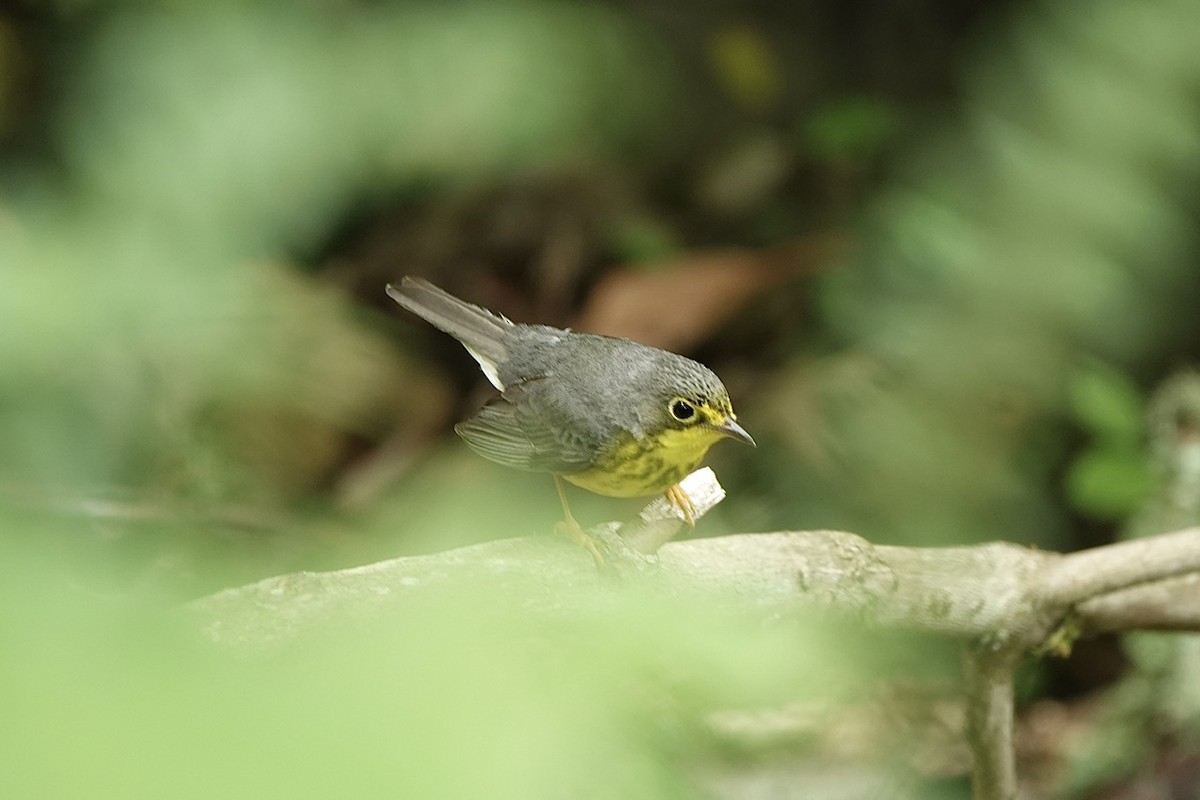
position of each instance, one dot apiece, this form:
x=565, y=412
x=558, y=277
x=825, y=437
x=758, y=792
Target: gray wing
x=514, y=431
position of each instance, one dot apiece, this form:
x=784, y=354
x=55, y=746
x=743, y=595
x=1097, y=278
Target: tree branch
x=1168, y=605
x=989, y=688
x=1002, y=594
x=1102, y=570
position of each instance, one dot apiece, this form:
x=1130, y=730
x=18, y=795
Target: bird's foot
x=679, y=498
x=608, y=549
x=573, y=531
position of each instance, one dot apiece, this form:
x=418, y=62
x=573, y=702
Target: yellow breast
x=634, y=468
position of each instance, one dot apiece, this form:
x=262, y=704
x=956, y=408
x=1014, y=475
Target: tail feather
x=479, y=330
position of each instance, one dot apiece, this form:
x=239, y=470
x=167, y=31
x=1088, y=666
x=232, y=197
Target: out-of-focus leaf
x=643, y=239
x=1109, y=484
x=852, y=127
x=1107, y=403
x=1112, y=477
x=746, y=66
x=679, y=304
x=746, y=174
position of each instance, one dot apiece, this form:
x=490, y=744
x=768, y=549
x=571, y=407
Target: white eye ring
x=682, y=410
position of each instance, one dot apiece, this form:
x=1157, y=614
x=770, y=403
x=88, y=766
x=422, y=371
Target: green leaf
x=1107, y=403
x=849, y=128
x=1108, y=484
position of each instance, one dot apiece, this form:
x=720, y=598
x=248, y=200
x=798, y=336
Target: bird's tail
x=479, y=330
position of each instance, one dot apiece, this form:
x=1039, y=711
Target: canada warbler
x=610, y=415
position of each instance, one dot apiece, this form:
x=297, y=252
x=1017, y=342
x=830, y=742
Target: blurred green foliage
x=849, y=128
x=153, y=351
x=464, y=693
x=1111, y=478
x=194, y=394
x=1047, y=229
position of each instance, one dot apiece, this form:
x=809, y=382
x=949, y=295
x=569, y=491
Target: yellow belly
x=634, y=469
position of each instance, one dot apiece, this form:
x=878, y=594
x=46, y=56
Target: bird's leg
x=677, y=497
x=572, y=528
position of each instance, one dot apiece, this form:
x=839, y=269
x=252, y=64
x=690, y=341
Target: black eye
x=682, y=410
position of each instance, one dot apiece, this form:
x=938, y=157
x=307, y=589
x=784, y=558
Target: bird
x=609, y=415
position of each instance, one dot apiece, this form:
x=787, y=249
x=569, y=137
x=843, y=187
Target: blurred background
x=941, y=253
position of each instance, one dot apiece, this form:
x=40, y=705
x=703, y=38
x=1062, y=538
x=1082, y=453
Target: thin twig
x=1168, y=605
x=660, y=521
x=1101, y=570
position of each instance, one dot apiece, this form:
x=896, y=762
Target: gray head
x=681, y=394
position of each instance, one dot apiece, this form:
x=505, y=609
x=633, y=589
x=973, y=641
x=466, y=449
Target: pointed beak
x=734, y=431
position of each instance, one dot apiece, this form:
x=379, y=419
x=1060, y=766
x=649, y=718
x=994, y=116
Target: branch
x=1168, y=605
x=1000, y=594
x=989, y=688
x=1102, y=570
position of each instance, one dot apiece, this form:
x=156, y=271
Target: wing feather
x=518, y=430
x=480, y=331
x=495, y=433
